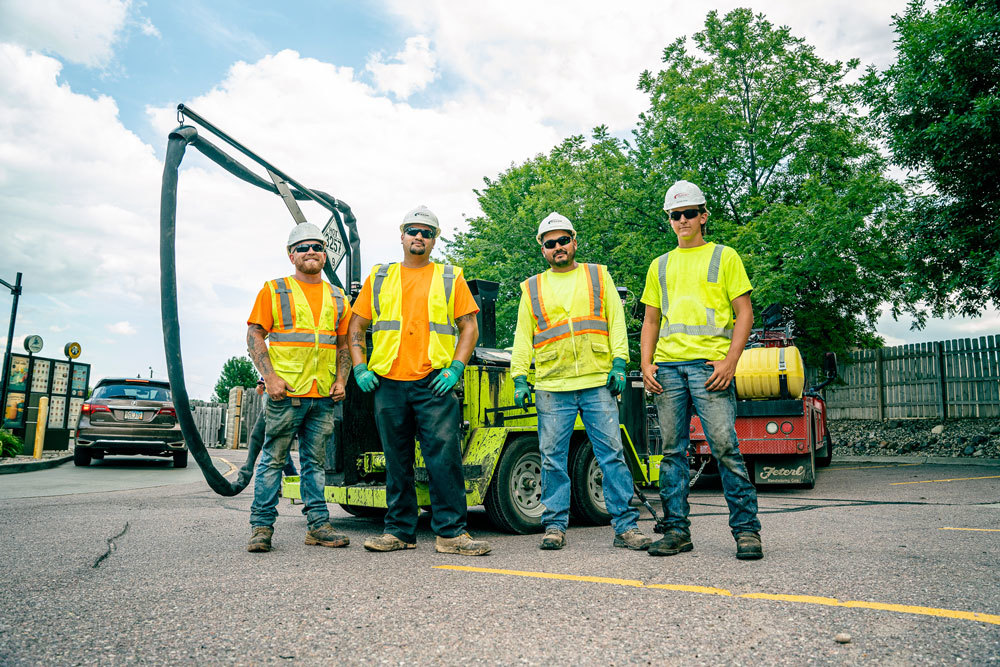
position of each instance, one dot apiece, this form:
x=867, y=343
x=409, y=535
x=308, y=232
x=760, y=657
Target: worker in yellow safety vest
x=297, y=339
x=572, y=322
x=423, y=320
x=697, y=322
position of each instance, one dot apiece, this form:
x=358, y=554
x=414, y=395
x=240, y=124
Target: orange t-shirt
x=263, y=314
x=412, y=362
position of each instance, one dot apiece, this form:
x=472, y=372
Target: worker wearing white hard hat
x=302, y=383
x=697, y=322
x=572, y=322
x=423, y=320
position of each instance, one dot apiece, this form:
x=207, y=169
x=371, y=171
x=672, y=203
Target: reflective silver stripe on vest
x=715, y=263
x=708, y=329
x=285, y=301
x=536, y=302
x=383, y=271
x=591, y=325
x=550, y=333
x=446, y=328
x=595, y=285
x=338, y=302
x=387, y=325
x=294, y=337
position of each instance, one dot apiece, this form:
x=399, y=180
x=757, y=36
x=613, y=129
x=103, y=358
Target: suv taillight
x=169, y=412
x=91, y=408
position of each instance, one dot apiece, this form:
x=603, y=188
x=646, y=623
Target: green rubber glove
x=522, y=392
x=447, y=378
x=367, y=380
x=616, y=378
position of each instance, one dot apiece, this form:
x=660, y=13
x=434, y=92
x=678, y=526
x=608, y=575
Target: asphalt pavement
x=143, y=563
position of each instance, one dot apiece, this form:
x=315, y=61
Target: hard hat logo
x=683, y=193
x=304, y=231
x=420, y=215
x=552, y=222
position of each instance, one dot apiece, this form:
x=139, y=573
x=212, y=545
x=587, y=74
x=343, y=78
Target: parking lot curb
x=34, y=465
x=934, y=460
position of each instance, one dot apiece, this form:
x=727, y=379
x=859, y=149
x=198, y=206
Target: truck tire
x=364, y=511
x=514, y=499
x=586, y=489
x=81, y=456
x=181, y=459
x=824, y=460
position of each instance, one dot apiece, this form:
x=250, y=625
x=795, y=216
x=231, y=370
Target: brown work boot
x=325, y=536
x=260, y=539
x=387, y=542
x=632, y=539
x=461, y=544
x=748, y=546
x=671, y=544
x=553, y=539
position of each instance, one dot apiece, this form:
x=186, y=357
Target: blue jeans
x=312, y=421
x=684, y=388
x=557, y=412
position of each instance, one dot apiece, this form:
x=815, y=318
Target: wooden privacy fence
x=952, y=379
x=210, y=418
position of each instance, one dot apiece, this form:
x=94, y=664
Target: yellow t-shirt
x=694, y=301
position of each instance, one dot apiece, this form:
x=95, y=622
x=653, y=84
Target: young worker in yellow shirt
x=698, y=318
x=572, y=321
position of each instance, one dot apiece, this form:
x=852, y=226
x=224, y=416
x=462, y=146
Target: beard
x=308, y=266
x=418, y=249
x=561, y=261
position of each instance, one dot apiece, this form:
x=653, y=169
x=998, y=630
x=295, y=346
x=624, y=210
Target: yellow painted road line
x=985, y=530
x=232, y=468
x=993, y=619
x=953, y=479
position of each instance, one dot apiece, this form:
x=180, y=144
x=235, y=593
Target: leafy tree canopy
x=938, y=107
x=236, y=372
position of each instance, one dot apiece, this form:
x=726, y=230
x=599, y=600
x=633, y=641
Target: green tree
x=236, y=372
x=939, y=106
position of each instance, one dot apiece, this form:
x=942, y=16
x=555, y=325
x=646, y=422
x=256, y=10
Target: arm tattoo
x=358, y=339
x=464, y=319
x=343, y=365
x=257, y=349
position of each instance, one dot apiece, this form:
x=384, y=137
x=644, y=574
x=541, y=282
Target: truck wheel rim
x=526, y=485
x=595, y=484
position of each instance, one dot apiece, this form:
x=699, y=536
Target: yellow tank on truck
x=770, y=372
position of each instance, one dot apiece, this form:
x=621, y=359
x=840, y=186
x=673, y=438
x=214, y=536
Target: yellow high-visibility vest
x=387, y=316
x=715, y=320
x=302, y=352
x=569, y=343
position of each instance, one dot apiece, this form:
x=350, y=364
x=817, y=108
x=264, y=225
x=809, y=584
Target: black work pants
x=405, y=410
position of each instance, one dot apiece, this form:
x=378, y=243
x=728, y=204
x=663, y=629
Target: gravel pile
x=916, y=437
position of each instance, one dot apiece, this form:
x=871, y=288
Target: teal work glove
x=367, y=380
x=447, y=378
x=616, y=378
x=522, y=392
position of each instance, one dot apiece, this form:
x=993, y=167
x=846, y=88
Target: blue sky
x=384, y=104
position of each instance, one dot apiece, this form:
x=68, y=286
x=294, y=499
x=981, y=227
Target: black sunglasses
x=413, y=231
x=562, y=240
x=689, y=213
x=306, y=247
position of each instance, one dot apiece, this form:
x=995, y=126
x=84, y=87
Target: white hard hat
x=683, y=193
x=421, y=215
x=304, y=231
x=554, y=221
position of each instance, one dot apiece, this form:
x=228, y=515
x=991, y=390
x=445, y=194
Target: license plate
x=133, y=415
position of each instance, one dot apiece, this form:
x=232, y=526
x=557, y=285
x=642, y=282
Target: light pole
x=15, y=289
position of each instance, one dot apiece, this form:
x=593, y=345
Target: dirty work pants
x=684, y=387
x=312, y=421
x=405, y=410
x=557, y=411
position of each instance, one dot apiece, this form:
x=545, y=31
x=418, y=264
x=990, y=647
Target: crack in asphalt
x=111, y=546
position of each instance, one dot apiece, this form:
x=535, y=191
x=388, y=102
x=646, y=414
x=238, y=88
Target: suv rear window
x=142, y=392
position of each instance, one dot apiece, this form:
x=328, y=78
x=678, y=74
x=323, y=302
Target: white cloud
x=122, y=328
x=412, y=71
x=147, y=28
x=80, y=32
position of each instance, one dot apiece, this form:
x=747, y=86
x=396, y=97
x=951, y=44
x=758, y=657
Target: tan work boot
x=553, y=539
x=632, y=539
x=387, y=542
x=325, y=536
x=748, y=546
x=461, y=544
x=260, y=539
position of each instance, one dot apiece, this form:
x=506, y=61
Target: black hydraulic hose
x=176, y=145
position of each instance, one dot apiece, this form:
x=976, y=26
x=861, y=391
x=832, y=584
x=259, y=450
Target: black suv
x=129, y=416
